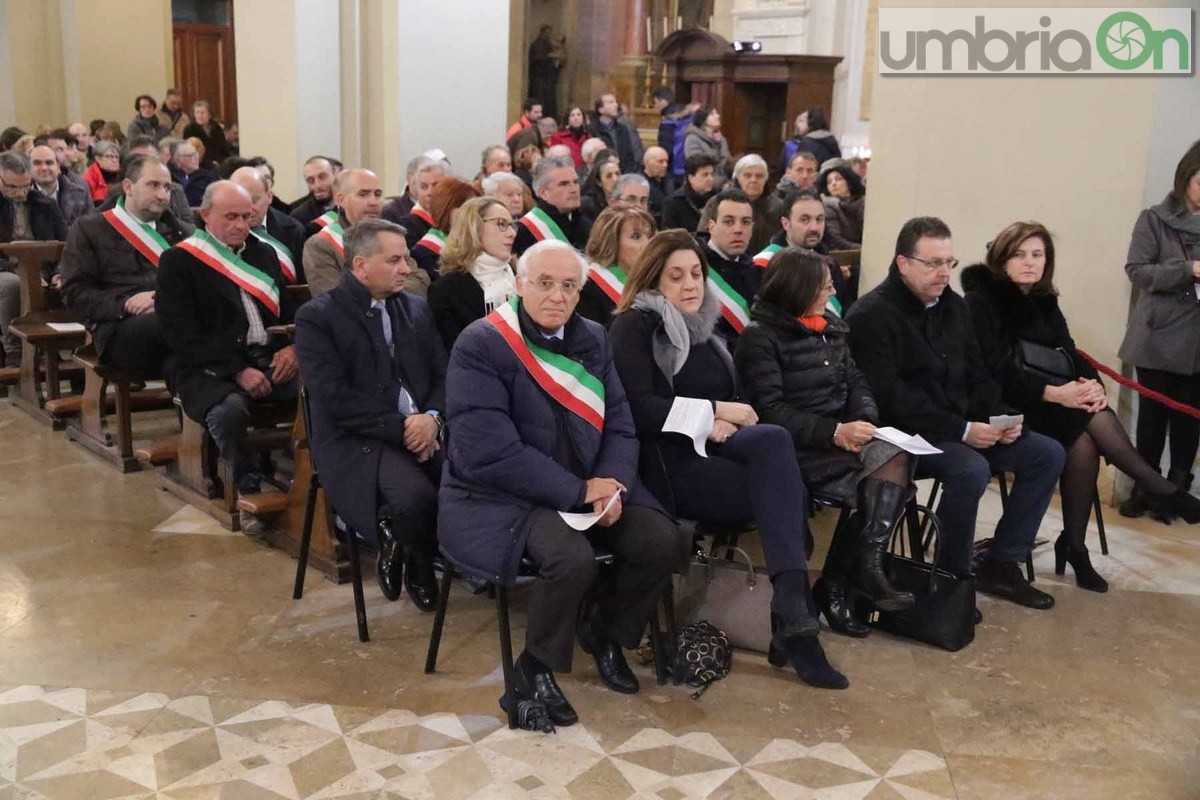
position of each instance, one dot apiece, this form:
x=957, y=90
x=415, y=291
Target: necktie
x=387, y=324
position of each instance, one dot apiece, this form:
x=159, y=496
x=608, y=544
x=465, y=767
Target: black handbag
x=1052, y=364
x=944, y=613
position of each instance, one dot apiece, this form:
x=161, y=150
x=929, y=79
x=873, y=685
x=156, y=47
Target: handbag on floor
x=733, y=596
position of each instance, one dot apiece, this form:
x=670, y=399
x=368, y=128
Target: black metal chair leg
x=506, y=656
x=310, y=509
x=926, y=533
x=439, y=619
x=360, y=604
x=672, y=630
x=1003, y=478
x=660, y=650
x=1100, y=522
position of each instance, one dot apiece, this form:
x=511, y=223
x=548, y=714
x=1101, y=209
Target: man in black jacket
x=683, y=207
x=283, y=233
x=375, y=370
x=662, y=184
x=912, y=337
x=736, y=279
x=803, y=224
x=557, y=214
x=319, y=173
x=617, y=132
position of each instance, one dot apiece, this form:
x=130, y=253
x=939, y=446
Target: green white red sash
x=538, y=223
x=326, y=218
x=572, y=386
x=421, y=213
x=610, y=279
x=734, y=307
x=254, y=281
x=285, y=258
x=143, y=237
x=762, y=259
x=433, y=241
x=333, y=234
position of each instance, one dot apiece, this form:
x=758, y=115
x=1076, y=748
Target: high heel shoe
x=808, y=659
x=830, y=597
x=1185, y=505
x=1086, y=576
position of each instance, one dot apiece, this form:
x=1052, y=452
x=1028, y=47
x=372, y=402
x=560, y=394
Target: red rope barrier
x=1158, y=397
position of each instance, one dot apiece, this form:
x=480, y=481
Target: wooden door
x=204, y=67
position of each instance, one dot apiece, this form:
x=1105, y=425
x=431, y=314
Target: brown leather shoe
x=1004, y=579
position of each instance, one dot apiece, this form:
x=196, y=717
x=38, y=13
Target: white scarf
x=496, y=279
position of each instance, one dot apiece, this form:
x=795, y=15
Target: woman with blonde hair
x=476, y=272
x=614, y=246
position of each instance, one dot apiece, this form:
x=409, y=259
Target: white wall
x=318, y=80
x=8, y=102
x=851, y=30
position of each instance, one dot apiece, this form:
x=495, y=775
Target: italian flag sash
x=326, y=218
x=576, y=389
x=610, y=279
x=333, y=233
x=433, y=241
x=254, y=281
x=734, y=307
x=285, y=258
x=538, y=223
x=833, y=305
x=143, y=237
x=762, y=259
x=421, y=213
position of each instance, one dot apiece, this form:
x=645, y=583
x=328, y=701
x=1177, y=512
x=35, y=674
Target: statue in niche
x=546, y=58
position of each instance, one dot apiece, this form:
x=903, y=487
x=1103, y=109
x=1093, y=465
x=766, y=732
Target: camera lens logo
x=1125, y=41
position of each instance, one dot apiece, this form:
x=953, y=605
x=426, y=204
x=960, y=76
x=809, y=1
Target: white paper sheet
x=910, y=444
x=581, y=522
x=693, y=418
x=67, y=327
x=1006, y=421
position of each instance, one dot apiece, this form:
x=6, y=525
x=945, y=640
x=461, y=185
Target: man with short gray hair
x=496, y=158
x=557, y=214
x=418, y=220
x=376, y=421
x=631, y=191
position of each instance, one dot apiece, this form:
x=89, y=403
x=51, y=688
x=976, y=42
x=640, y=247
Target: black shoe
x=808, y=659
x=1085, y=576
x=830, y=597
x=421, y=584
x=1004, y=579
x=1182, y=503
x=535, y=681
x=978, y=616
x=879, y=504
x=610, y=659
x=389, y=564
x=531, y=715
x=791, y=614
x=1135, y=505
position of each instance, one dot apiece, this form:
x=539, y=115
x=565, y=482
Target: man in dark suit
x=218, y=293
x=375, y=370
x=284, y=234
x=557, y=214
x=319, y=173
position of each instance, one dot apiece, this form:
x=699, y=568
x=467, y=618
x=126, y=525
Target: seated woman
x=1015, y=307
x=796, y=371
x=750, y=175
x=844, y=196
x=667, y=354
x=598, y=187
x=447, y=196
x=476, y=272
x=615, y=244
x=510, y=190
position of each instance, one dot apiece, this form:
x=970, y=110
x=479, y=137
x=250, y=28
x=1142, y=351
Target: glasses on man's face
x=16, y=188
x=644, y=202
x=547, y=286
x=503, y=224
x=935, y=264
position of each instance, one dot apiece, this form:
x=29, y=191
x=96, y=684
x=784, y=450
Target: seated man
x=803, y=224
x=527, y=443
x=72, y=199
x=191, y=174
x=218, y=292
x=284, y=234
x=375, y=422
x=357, y=196
x=732, y=275
x=319, y=173
x=557, y=214
x=662, y=182
x=913, y=339
x=110, y=267
x=417, y=222
x=144, y=146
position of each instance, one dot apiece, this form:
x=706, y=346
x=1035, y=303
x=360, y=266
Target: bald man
x=284, y=234
x=218, y=292
x=357, y=195
x=662, y=183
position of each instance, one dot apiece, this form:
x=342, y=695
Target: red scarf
x=814, y=322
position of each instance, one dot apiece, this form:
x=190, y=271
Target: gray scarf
x=683, y=330
x=1175, y=215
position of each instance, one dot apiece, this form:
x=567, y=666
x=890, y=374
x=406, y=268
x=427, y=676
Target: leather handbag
x=1052, y=364
x=733, y=596
x=944, y=613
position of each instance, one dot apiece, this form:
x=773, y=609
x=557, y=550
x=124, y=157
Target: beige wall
x=35, y=58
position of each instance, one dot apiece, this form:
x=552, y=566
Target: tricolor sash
x=254, y=281
x=538, y=223
x=421, y=213
x=285, y=258
x=143, y=237
x=833, y=305
x=762, y=259
x=572, y=386
x=326, y=218
x=433, y=241
x=333, y=233
x=734, y=307
x=610, y=279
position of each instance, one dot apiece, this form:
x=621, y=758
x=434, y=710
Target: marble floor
x=146, y=653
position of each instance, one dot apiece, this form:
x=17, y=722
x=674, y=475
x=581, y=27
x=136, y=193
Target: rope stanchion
x=1157, y=397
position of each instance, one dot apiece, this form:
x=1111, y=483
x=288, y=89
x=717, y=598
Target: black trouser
x=408, y=495
x=1154, y=419
x=229, y=422
x=137, y=342
x=648, y=546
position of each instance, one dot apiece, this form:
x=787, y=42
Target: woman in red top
x=573, y=134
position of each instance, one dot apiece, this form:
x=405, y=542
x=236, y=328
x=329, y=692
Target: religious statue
x=546, y=57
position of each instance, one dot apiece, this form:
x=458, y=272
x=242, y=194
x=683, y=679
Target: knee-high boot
x=829, y=592
x=879, y=504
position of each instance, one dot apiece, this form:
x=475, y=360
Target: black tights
x=1104, y=436
x=898, y=469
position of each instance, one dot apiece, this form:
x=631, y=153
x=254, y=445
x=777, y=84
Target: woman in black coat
x=669, y=359
x=796, y=371
x=614, y=246
x=1014, y=306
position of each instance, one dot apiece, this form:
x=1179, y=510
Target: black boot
x=1135, y=505
x=829, y=592
x=792, y=612
x=1182, y=503
x=879, y=503
x=1086, y=576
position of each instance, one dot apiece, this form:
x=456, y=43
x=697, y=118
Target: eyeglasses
x=828, y=288
x=644, y=202
x=16, y=188
x=935, y=264
x=503, y=225
x=547, y=286
x=109, y=155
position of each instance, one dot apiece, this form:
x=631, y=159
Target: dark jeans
x=408, y=494
x=229, y=421
x=965, y=472
x=648, y=546
x=137, y=342
x=752, y=477
x=1154, y=419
